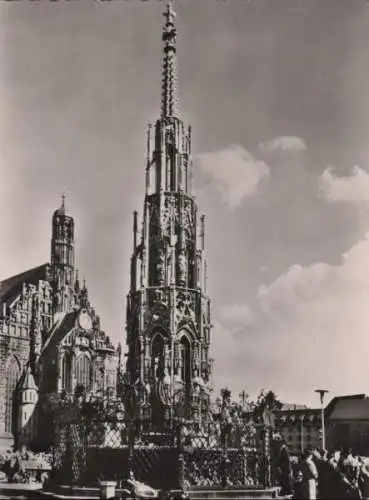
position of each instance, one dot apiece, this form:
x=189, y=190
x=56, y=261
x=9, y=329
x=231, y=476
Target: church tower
x=62, y=260
x=168, y=310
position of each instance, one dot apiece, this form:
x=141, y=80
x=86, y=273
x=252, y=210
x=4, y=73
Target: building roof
x=292, y=407
x=354, y=407
x=27, y=380
x=61, y=329
x=11, y=287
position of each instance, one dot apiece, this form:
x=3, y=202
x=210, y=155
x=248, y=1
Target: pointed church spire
x=169, y=69
x=77, y=287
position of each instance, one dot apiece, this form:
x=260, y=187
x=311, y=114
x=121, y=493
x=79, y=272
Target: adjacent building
x=300, y=426
x=347, y=420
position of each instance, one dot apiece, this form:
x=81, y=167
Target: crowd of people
x=24, y=466
x=318, y=474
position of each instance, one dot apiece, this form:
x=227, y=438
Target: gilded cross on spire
x=168, y=100
x=169, y=14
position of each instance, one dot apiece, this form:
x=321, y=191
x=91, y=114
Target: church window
x=11, y=379
x=185, y=360
x=66, y=372
x=83, y=371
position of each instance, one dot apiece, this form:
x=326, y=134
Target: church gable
x=47, y=323
x=11, y=287
x=25, y=307
x=79, y=354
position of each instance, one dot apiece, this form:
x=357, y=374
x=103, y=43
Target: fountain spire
x=169, y=65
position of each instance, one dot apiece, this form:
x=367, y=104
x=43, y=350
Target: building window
x=11, y=379
x=83, y=371
x=66, y=375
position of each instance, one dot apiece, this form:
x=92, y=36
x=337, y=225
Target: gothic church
x=51, y=340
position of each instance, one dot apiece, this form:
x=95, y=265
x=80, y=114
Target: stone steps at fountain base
x=239, y=493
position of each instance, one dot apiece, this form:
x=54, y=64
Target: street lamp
x=302, y=417
x=322, y=393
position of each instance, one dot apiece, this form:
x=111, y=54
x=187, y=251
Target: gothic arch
x=188, y=329
x=12, y=375
x=157, y=341
x=157, y=328
x=185, y=341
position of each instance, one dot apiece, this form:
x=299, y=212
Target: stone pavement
x=19, y=491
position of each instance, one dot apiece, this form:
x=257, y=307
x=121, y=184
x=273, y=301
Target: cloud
x=299, y=285
x=236, y=313
x=284, y=143
x=235, y=172
x=353, y=188
x=310, y=328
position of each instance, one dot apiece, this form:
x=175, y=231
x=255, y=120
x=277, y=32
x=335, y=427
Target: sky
x=277, y=96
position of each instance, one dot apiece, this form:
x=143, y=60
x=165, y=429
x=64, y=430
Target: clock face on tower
x=84, y=320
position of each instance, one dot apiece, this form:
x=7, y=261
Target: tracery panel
x=83, y=367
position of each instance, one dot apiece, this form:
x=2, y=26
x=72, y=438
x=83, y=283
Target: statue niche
x=185, y=364
x=158, y=369
x=157, y=357
x=157, y=263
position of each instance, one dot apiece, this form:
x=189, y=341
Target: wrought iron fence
x=218, y=455
x=89, y=447
x=69, y=452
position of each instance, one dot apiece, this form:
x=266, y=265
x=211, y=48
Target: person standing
x=285, y=470
x=364, y=480
x=309, y=476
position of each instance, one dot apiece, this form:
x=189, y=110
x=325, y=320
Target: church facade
x=51, y=340
x=168, y=310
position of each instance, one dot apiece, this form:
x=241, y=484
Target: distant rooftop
x=12, y=286
x=292, y=407
x=352, y=407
